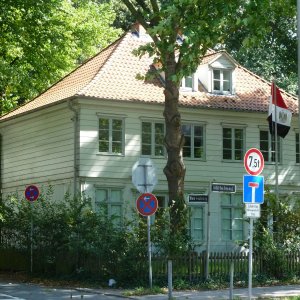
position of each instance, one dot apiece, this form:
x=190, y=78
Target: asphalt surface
x=25, y=291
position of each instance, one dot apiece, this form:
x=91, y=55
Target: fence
x=189, y=267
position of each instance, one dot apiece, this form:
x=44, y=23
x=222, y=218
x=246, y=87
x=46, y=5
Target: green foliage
x=43, y=40
x=275, y=53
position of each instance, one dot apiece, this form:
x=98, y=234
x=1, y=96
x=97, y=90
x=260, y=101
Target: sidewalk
x=274, y=291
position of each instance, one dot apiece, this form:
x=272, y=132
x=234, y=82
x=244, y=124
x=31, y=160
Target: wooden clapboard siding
x=38, y=148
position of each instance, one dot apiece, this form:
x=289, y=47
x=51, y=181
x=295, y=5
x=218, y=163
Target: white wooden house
x=85, y=133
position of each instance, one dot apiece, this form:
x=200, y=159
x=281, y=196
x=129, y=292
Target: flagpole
x=276, y=142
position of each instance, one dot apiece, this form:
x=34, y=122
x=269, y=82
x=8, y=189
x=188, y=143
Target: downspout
x=75, y=120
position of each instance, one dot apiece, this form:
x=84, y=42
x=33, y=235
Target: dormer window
x=188, y=83
x=222, y=81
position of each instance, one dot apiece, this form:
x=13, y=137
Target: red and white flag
x=283, y=115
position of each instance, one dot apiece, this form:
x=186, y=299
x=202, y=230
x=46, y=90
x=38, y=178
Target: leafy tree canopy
x=275, y=55
x=41, y=40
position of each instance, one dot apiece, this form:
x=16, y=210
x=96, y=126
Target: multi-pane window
x=233, y=143
x=267, y=146
x=111, y=136
x=232, y=217
x=153, y=138
x=197, y=224
x=109, y=201
x=297, y=149
x=193, y=141
x=222, y=81
x=187, y=82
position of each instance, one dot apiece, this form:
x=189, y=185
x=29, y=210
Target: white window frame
x=153, y=137
x=193, y=218
x=271, y=147
x=221, y=80
x=232, y=207
x=192, y=146
x=108, y=202
x=233, y=141
x=110, y=134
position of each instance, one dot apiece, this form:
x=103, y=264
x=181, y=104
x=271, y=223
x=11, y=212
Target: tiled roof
x=112, y=74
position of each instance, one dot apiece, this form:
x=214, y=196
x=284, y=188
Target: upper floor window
x=153, y=138
x=297, y=149
x=232, y=217
x=187, y=82
x=222, y=81
x=233, y=143
x=111, y=135
x=267, y=146
x=109, y=202
x=194, y=141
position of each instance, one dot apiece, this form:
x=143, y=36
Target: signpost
x=253, y=196
x=146, y=204
x=144, y=179
x=31, y=194
x=223, y=187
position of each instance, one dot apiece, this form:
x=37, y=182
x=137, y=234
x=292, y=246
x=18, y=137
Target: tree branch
x=155, y=6
x=143, y=5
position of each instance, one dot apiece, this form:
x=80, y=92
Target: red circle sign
x=254, y=161
x=146, y=204
x=32, y=193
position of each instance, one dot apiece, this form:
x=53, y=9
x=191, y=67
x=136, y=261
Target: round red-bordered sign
x=146, y=204
x=32, y=193
x=254, y=161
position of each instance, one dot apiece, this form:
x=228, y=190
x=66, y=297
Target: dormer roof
x=112, y=75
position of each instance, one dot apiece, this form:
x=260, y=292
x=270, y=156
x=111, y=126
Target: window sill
x=153, y=156
x=231, y=161
x=194, y=159
x=109, y=154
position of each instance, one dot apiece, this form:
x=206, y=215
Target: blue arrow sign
x=253, y=189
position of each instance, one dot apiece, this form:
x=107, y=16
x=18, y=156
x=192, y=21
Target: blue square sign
x=253, y=189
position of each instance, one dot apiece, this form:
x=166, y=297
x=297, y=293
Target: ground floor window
x=110, y=202
x=232, y=222
x=197, y=227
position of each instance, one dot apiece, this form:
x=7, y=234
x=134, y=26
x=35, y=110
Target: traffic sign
x=197, y=198
x=144, y=175
x=146, y=204
x=32, y=193
x=253, y=189
x=252, y=210
x=223, y=187
x=254, y=161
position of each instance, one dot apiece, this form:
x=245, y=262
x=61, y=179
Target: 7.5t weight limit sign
x=254, y=161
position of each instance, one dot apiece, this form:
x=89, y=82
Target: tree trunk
x=174, y=140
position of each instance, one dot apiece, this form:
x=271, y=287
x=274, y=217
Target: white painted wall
x=38, y=149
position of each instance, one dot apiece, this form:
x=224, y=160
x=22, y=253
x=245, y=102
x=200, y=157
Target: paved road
x=16, y=291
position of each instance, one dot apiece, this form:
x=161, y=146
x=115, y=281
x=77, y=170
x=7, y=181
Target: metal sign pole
x=250, y=258
x=148, y=232
x=31, y=239
x=208, y=234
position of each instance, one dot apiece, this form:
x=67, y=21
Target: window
x=232, y=217
x=233, y=143
x=297, y=149
x=111, y=136
x=267, y=146
x=194, y=141
x=153, y=138
x=197, y=223
x=109, y=201
x=222, y=81
x=187, y=82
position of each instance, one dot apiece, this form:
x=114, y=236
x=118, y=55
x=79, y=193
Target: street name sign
x=223, y=188
x=198, y=198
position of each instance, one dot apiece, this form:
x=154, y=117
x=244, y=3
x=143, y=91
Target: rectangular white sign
x=252, y=210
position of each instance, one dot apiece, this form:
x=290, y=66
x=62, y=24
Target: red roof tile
x=112, y=74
